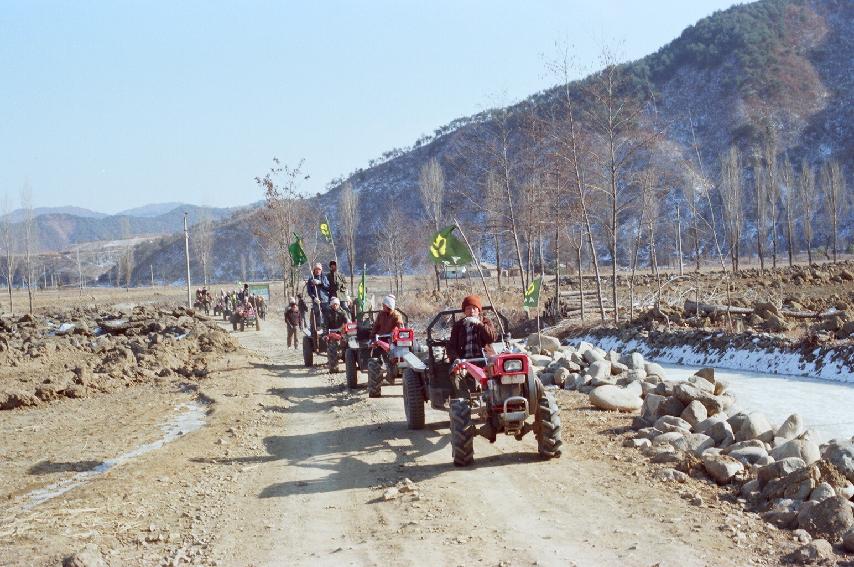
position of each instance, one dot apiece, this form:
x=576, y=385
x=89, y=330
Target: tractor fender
x=535, y=389
x=414, y=362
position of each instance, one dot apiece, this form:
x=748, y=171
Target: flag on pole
x=362, y=293
x=532, y=294
x=298, y=257
x=448, y=249
x=325, y=230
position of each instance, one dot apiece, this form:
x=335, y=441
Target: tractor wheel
x=548, y=431
x=375, y=378
x=413, y=399
x=307, y=352
x=350, y=368
x=462, y=433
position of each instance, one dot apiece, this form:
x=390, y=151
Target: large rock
x=599, y=370
x=592, y=355
x=88, y=557
x=634, y=361
x=830, y=518
x=706, y=374
x=702, y=383
x=822, y=492
x=792, y=427
x=671, y=406
x=749, y=455
x=706, y=424
x=722, y=433
x=668, y=423
x=649, y=411
x=540, y=360
x=614, y=398
x=694, y=413
x=539, y=342
x=779, y=469
x=803, y=447
x=848, y=541
x=755, y=427
x=816, y=551
x=654, y=368
x=841, y=454
x=722, y=468
x=687, y=393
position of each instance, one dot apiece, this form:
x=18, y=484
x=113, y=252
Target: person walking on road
x=293, y=319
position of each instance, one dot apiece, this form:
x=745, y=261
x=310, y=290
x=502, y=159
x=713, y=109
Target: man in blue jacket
x=317, y=288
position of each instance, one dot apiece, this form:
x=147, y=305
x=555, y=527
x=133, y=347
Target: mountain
x=19, y=215
x=781, y=66
x=152, y=210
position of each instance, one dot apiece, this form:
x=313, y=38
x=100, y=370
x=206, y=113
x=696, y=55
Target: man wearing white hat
x=386, y=322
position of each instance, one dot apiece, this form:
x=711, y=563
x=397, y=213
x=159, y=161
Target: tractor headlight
x=512, y=365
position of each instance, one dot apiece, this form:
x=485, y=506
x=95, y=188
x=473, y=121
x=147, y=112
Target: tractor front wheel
x=350, y=368
x=307, y=352
x=375, y=378
x=462, y=433
x=413, y=399
x=548, y=427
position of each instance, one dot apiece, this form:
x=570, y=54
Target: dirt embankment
x=78, y=352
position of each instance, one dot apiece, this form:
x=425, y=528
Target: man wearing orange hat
x=469, y=336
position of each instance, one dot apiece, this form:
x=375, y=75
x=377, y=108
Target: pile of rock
x=696, y=425
x=70, y=354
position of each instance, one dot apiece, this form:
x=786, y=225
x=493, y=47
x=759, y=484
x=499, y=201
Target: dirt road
x=292, y=469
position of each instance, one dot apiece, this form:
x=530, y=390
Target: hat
x=317, y=266
x=333, y=263
x=472, y=300
x=389, y=301
x=334, y=301
x=292, y=300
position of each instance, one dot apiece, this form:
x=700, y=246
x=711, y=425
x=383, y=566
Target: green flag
x=532, y=294
x=446, y=248
x=298, y=257
x=362, y=294
x=325, y=230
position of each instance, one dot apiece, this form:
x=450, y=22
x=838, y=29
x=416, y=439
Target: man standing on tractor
x=336, y=284
x=293, y=319
x=386, y=322
x=317, y=288
x=335, y=319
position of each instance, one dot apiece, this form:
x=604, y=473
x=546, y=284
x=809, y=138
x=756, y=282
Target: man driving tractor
x=386, y=322
x=335, y=318
x=469, y=337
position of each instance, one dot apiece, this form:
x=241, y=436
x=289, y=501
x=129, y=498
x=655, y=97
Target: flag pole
x=479, y=271
x=539, y=335
x=331, y=239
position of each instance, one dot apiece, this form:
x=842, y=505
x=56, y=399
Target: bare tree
x=730, y=189
x=203, y=235
x=349, y=213
x=761, y=207
x=809, y=201
x=789, y=192
x=391, y=245
x=8, y=247
x=833, y=186
x=772, y=188
x=431, y=187
x=28, y=236
x=126, y=261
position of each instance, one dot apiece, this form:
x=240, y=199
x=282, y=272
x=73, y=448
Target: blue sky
x=111, y=105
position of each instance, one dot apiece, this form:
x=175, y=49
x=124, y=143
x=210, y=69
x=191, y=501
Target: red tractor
x=397, y=351
x=500, y=390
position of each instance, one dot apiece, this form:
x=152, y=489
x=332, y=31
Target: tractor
x=333, y=343
x=500, y=390
x=362, y=347
x=244, y=314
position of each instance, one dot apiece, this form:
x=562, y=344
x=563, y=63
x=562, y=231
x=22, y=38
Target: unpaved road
x=291, y=469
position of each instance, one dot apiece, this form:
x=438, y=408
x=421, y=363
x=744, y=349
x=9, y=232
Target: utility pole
x=151, y=266
x=187, y=256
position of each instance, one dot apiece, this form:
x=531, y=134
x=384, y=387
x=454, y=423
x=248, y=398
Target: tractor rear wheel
x=307, y=352
x=462, y=433
x=375, y=378
x=548, y=427
x=413, y=399
x=350, y=369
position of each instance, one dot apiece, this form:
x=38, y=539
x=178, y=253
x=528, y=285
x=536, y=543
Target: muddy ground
x=291, y=468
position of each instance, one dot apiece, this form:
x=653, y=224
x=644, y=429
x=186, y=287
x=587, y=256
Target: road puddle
x=190, y=418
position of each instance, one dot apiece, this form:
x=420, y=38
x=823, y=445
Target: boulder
x=803, y=447
x=648, y=433
x=599, y=370
x=721, y=386
x=687, y=393
x=671, y=475
x=654, y=368
x=698, y=443
x=707, y=374
x=830, y=518
x=706, y=424
x=560, y=377
x=722, y=433
x=694, y=413
x=822, y=492
x=722, y=468
x=543, y=343
x=614, y=398
x=668, y=423
x=640, y=374
x=779, y=469
x=88, y=557
x=702, y=384
x=749, y=455
x=675, y=439
x=634, y=361
x=540, y=360
x=618, y=368
x=649, y=411
x=841, y=455
x=592, y=355
x=791, y=428
x=671, y=406
x=635, y=388
x=816, y=551
x=848, y=541
x=755, y=427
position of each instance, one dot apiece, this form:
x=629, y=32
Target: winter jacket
x=385, y=323
x=336, y=285
x=293, y=317
x=335, y=318
x=318, y=291
x=485, y=335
